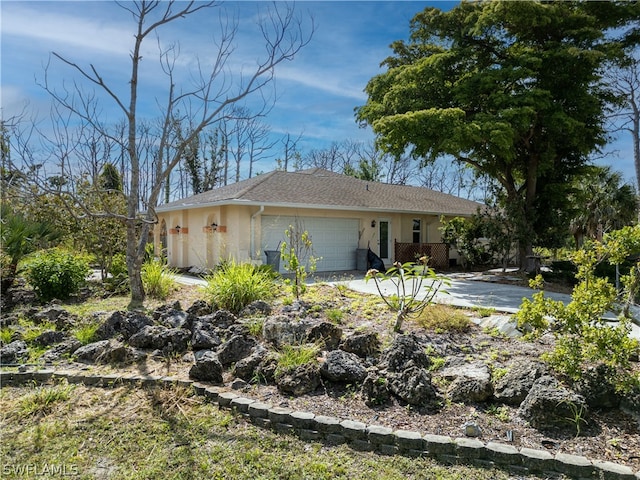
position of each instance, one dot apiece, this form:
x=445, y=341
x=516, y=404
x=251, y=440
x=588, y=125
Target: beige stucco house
x=343, y=215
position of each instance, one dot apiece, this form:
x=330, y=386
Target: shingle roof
x=318, y=188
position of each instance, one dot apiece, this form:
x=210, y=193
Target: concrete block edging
x=359, y=436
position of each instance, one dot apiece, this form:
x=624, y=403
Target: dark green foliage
x=512, y=89
x=56, y=274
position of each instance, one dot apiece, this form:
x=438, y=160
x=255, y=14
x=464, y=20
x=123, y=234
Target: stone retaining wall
x=357, y=435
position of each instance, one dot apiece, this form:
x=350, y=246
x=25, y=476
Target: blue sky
x=316, y=93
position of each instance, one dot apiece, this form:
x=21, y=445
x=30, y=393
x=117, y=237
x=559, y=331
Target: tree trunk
x=134, y=266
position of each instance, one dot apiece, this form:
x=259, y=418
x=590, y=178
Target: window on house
x=416, y=230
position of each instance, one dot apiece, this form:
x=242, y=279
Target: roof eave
x=250, y=203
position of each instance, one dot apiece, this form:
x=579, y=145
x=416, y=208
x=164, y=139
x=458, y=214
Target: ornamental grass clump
x=158, y=279
x=233, y=286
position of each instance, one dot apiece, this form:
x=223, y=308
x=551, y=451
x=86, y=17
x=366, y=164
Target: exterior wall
x=238, y=233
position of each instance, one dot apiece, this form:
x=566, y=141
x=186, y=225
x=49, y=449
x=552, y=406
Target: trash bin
x=361, y=259
x=273, y=259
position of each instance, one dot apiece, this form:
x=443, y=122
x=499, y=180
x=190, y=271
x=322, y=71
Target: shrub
x=56, y=274
x=158, y=279
x=235, y=285
x=118, y=281
x=583, y=337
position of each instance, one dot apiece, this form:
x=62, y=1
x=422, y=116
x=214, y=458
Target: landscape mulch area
x=607, y=435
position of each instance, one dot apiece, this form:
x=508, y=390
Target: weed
x=255, y=326
x=292, y=356
x=577, y=415
x=500, y=412
x=5, y=335
x=86, y=333
x=335, y=315
x=484, y=312
x=442, y=318
x=158, y=279
x=42, y=400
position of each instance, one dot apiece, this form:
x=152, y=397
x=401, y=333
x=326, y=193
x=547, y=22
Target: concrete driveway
x=478, y=290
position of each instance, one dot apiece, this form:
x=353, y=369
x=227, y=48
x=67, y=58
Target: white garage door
x=334, y=239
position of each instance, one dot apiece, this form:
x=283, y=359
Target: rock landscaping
x=474, y=394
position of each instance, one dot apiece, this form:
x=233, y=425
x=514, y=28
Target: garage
x=334, y=239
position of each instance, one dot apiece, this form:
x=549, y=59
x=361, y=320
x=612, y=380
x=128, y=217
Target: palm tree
x=602, y=203
x=20, y=236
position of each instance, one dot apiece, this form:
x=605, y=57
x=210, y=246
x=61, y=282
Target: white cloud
x=56, y=29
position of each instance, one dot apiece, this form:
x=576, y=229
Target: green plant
x=577, y=416
x=583, y=337
x=498, y=372
x=255, y=326
x=500, y=412
x=158, y=278
x=292, y=356
x=484, y=312
x=335, y=315
x=5, y=335
x=86, y=333
x=31, y=331
x=56, y=273
x=118, y=279
x=20, y=236
x=235, y=285
x=295, y=251
x=409, y=299
x=42, y=399
x=443, y=318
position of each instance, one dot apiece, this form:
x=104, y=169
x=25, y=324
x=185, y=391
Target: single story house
x=343, y=215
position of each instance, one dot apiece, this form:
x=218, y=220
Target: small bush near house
x=233, y=286
x=56, y=273
x=158, y=279
x=118, y=281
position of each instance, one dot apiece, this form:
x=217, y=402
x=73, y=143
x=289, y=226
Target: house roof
x=322, y=189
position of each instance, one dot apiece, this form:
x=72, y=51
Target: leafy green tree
x=513, y=89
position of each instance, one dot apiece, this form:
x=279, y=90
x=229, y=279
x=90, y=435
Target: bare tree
x=625, y=83
x=200, y=104
x=290, y=152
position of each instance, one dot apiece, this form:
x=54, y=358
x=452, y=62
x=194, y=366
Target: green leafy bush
x=233, y=286
x=583, y=337
x=56, y=273
x=158, y=279
x=118, y=281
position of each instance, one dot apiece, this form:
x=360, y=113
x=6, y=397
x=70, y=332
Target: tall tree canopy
x=513, y=89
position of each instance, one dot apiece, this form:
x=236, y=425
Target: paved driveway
x=468, y=293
